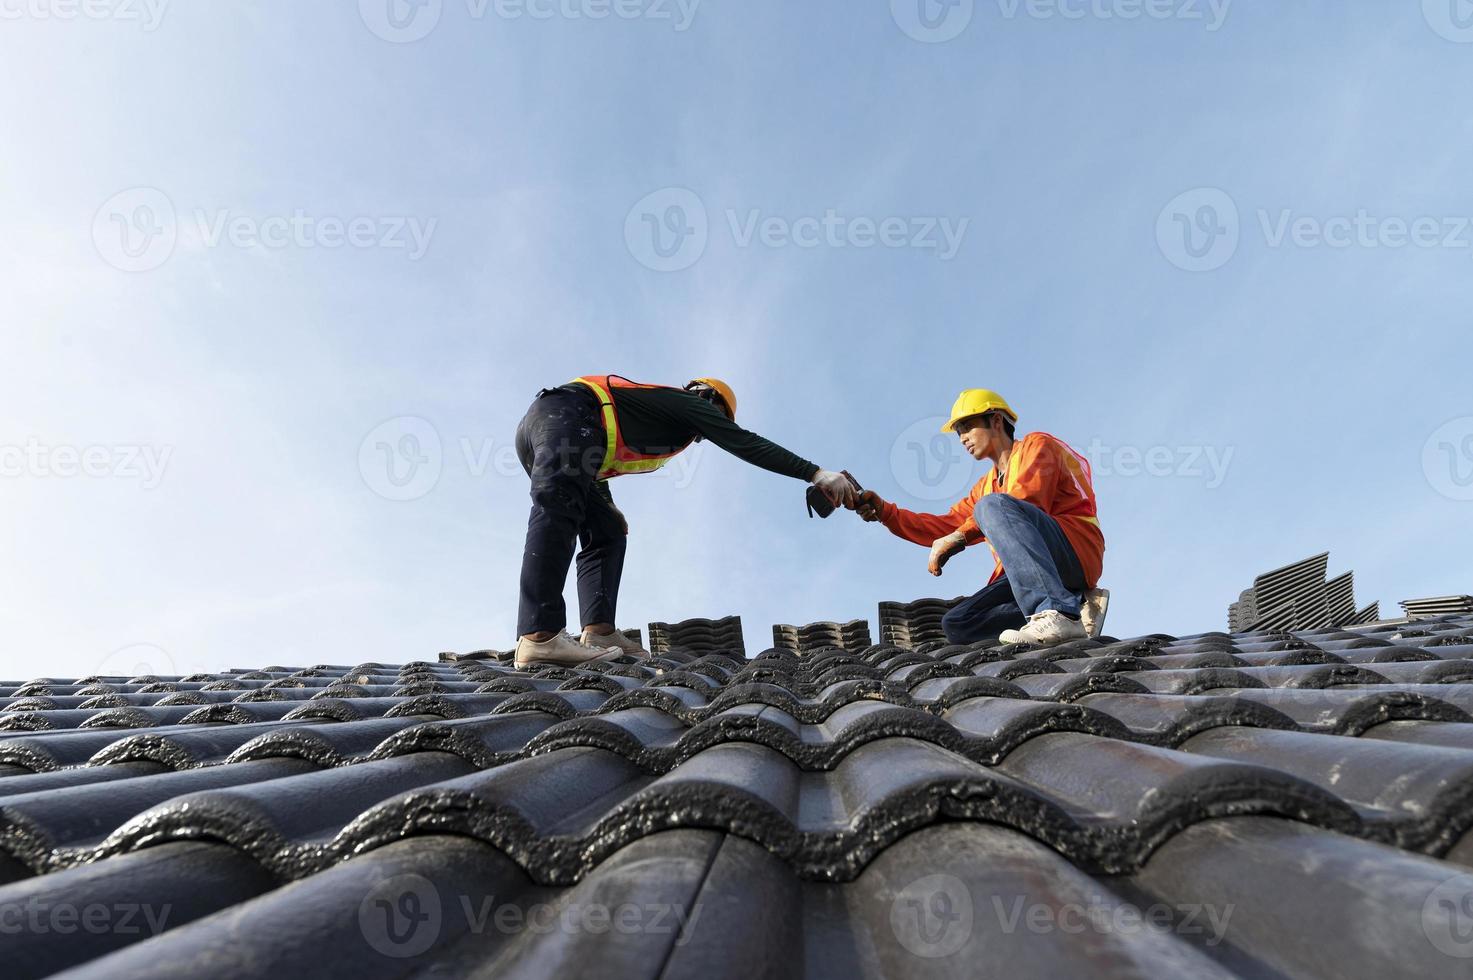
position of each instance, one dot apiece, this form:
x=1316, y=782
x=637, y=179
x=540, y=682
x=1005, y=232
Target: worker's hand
x=870, y=505
x=943, y=548
x=836, y=487
x=622, y=519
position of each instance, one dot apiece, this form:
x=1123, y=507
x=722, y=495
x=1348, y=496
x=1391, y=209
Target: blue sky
x=248, y=245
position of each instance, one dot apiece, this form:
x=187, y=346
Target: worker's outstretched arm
x=924, y=529
x=713, y=424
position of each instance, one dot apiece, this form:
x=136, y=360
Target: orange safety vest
x=1077, y=470
x=1074, y=468
x=619, y=459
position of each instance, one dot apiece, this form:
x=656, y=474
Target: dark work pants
x=1042, y=572
x=560, y=443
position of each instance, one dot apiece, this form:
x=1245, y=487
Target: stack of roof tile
x=910, y=624
x=1448, y=605
x=1292, y=596
x=1299, y=596
x=1340, y=598
x=1286, y=804
x=853, y=635
x=699, y=636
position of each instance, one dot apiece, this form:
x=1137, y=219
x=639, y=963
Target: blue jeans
x=1041, y=571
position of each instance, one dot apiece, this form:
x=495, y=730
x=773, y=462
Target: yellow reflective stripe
x=611, y=434
x=639, y=465
x=611, y=426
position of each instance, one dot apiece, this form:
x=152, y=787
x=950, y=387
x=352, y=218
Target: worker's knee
x=559, y=495
x=994, y=502
x=611, y=547
x=993, y=506
x=954, y=625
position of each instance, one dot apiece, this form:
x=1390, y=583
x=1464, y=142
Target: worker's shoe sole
x=594, y=656
x=1046, y=629
x=560, y=651
x=1092, y=611
x=616, y=641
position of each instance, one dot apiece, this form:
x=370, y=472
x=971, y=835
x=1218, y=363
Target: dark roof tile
x=816, y=804
x=1293, y=900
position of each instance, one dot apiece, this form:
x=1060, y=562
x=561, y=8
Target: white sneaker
x=562, y=650
x=617, y=641
x=1046, y=629
x=1092, y=612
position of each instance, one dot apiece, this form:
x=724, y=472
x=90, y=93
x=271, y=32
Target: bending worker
x=1036, y=510
x=572, y=442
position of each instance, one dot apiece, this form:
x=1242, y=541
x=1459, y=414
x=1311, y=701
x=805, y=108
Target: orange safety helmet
x=721, y=388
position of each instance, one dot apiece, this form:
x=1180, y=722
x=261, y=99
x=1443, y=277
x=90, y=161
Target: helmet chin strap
x=706, y=392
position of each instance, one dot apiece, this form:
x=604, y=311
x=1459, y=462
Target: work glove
x=836, y=486
x=870, y=505
x=943, y=548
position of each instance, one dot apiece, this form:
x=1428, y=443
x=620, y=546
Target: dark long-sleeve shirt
x=662, y=420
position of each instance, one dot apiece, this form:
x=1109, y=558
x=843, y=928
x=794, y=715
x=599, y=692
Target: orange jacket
x=1042, y=470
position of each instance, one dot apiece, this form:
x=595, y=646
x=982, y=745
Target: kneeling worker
x=576, y=438
x=1036, y=509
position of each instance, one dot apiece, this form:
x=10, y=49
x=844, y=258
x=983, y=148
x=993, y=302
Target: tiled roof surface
x=1264, y=804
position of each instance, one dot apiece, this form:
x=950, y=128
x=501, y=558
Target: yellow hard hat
x=723, y=389
x=975, y=401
